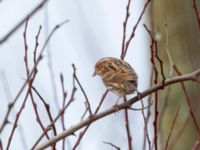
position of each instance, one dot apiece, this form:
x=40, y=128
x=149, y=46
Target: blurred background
x=95, y=30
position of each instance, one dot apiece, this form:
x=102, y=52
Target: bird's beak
x=94, y=74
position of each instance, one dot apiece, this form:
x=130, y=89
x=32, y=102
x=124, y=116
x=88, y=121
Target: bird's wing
x=123, y=76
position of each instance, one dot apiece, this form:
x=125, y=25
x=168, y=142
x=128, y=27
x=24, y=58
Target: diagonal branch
x=38, y=7
x=187, y=77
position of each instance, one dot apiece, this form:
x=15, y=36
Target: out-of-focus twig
x=16, y=27
x=188, y=97
x=175, y=118
x=63, y=105
x=196, y=12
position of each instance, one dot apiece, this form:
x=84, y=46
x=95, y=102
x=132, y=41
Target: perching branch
x=193, y=76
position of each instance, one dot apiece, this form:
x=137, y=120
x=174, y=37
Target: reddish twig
x=36, y=45
x=154, y=46
x=5, y=120
x=188, y=98
x=134, y=29
x=86, y=128
x=186, y=77
x=47, y=107
x=128, y=132
x=30, y=81
x=196, y=12
x=160, y=62
x=61, y=112
x=1, y=145
x=124, y=28
x=16, y=27
x=175, y=118
x=162, y=112
x=82, y=89
x=196, y=145
x=111, y=144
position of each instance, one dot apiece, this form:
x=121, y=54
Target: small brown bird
x=117, y=75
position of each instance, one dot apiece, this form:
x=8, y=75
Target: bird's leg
x=116, y=104
x=139, y=95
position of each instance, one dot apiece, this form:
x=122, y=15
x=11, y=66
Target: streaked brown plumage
x=117, y=75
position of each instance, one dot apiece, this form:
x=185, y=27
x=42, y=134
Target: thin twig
x=146, y=132
x=196, y=12
x=5, y=120
x=128, y=132
x=49, y=61
x=188, y=98
x=63, y=105
x=111, y=144
x=83, y=91
x=47, y=107
x=16, y=27
x=134, y=29
x=125, y=27
x=154, y=50
x=175, y=118
x=61, y=112
x=193, y=76
x=30, y=81
x=87, y=127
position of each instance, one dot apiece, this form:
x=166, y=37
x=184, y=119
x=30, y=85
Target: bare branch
x=114, y=146
x=187, y=77
x=196, y=12
x=128, y=132
x=134, y=29
x=82, y=89
x=5, y=120
x=175, y=118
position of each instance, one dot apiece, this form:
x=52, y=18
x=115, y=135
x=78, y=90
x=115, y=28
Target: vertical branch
x=128, y=133
x=188, y=98
x=29, y=81
x=134, y=29
x=124, y=28
x=146, y=133
x=49, y=61
x=63, y=105
x=155, y=123
x=196, y=12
